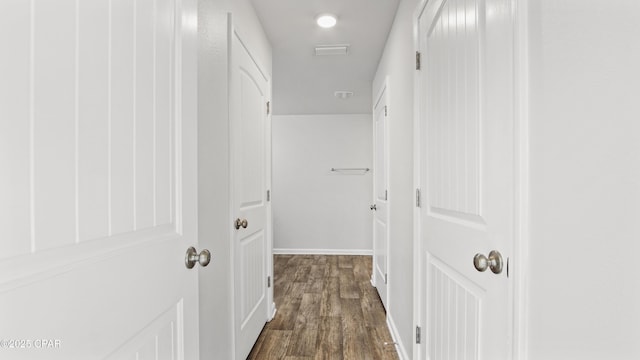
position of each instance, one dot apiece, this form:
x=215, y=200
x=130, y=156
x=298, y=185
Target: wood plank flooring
x=327, y=309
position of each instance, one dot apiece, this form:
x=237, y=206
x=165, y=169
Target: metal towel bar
x=350, y=169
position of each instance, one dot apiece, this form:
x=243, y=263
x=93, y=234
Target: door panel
x=15, y=135
x=248, y=123
x=380, y=215
x=158, y=340
x=252, y=258
x=123, y=95
x=52, y=103
x=454, y=130
x=380, y=236
x=454, y=308
x=467, y=170
x=97, y=196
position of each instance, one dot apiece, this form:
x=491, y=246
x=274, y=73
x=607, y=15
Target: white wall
x=584, y=287
x=398, y=64
x=216, y=326
x=314, y=209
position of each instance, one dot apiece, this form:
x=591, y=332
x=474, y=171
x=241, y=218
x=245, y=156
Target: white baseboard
x=323, y=252
x=402, y=351
x=274, y=311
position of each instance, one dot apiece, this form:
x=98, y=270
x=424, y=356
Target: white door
x=380, y=197
x=248, y=118
x=98, y=179
x=467, y=177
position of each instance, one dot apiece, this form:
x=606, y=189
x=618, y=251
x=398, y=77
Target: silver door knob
x=192, y=257
x=373, y=207
x=241, y=223
x=493, y=262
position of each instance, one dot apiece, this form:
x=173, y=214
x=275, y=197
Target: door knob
x=493, y=262
x=373, y=207
x=192, y=257
x=241, y=223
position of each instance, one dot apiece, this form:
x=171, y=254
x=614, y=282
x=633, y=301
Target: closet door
x=381, y=197
x=248, y=95
x=98, y=199
x=467, y=169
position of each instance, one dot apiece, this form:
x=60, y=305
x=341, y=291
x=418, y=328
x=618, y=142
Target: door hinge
x=418, y=331
x=268, y=195
x=385, y=111
x=385, y=278
x=268, y=281
x=386, y=197
x=417, y=197
x=268, y=107
x=418, y=60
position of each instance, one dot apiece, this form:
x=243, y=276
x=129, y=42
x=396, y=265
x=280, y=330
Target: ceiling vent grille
x=342, y=94
x=332, y=50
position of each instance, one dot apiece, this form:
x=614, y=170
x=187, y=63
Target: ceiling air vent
x=341, y=94
x=331, y=50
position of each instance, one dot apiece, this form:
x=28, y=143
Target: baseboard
x=274, y=311
x=323, y=252
x=402, y=351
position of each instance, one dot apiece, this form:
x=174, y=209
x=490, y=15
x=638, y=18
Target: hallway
x=327, y=309
x=472, y=167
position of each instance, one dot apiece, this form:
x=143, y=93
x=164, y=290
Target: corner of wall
x=213, y=163
x=396, y=65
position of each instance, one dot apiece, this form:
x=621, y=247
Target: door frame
x=232, y=31
x=383, y=90
x=271, y=305
x=519, y=262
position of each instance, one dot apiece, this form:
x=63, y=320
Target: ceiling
x=304, y=83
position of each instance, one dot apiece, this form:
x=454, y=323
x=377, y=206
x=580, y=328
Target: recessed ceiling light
x=326, y=21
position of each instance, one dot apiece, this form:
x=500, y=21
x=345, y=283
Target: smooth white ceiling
x=304, y=83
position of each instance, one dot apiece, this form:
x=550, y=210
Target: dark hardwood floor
x=327, y=309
